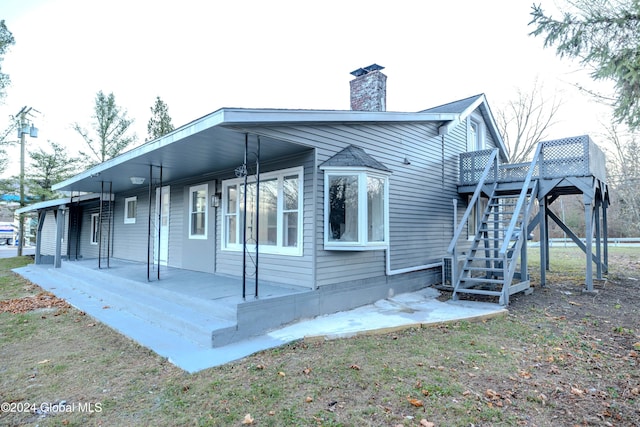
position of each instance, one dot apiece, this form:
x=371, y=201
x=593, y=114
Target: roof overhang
x=215, y=143
x=479, y=103
x=57, y=203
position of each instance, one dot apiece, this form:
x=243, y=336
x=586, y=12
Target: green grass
x=363, y=381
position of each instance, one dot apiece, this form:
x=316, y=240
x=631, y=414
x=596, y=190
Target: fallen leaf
x=525, y=374
x=574, y=303
x=635, y=391
x=306, y=371
x=309, y=399
x=491, y=394
x=42, y=362
x=282, y=374
x=355, y=367
x=425, y=423
x=260, y=367
x=271, y=413
x=576, y=391
x=425, y=392
x=415, y=402
x=247, y=419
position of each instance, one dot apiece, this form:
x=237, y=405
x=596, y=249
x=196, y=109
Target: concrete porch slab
x=179, y=344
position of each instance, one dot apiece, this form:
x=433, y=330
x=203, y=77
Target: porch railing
x=575, y=156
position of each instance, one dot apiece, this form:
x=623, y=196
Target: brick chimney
x=369, y=89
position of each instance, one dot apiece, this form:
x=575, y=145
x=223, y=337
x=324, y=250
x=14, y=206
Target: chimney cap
x=366, y=70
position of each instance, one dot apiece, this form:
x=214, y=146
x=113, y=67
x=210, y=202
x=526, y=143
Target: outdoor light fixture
x=137, y=180
x=215, y=201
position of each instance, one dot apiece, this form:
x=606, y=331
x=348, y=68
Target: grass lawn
x=556, y=359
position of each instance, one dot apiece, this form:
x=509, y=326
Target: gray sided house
x=340, y=207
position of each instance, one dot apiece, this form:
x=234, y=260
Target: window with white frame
x=475, y=134
x=274, y=219
x=198, y=211
x=356, y=209
x=130, y=208
x=95, y=228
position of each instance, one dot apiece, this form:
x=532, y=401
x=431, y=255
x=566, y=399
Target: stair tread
x=478, y=291
x=482, y=280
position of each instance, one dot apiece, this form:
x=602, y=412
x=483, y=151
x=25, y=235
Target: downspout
x=391, y=272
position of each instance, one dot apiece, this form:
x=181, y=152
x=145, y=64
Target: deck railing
x=575, y=156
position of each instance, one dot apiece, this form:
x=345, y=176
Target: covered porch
x=205, y=309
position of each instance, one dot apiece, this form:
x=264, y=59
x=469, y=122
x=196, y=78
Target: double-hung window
x=95, y=228
x=273, y=217
x=356, y=209
x=130, y=207
x=198, y=211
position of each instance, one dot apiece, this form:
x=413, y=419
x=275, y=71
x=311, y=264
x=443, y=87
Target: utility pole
x=23, y=129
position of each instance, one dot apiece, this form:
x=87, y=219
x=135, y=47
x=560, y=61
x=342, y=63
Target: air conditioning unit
x=447, y=270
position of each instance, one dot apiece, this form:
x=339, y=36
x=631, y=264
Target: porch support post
x=109, y=224
x=244, y=222
x=546, y=233
x=258, y=213
x=598, y=204
x=100, y=225
x=57, y=263
x=605, y=234
x=544, y=248
x=149, y=227
x=41, y=216
x=588, y=221
x=159, y=220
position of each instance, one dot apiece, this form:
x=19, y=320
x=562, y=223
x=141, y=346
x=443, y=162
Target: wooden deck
x=569, y=166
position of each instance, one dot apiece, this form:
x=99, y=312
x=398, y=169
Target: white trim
x=363, y=243
x=130, y=219
x=193, y=189
x=94, y=229
x=278, y=248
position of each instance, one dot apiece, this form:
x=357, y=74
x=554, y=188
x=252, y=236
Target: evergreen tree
x=48, y=168
x=111, y=126
x=605, y=36
x=6, y=40
x=160, y=121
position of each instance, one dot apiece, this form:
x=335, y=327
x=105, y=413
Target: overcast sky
x=199, y=56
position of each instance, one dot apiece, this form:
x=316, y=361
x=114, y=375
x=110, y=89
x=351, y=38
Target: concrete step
x=190, y=318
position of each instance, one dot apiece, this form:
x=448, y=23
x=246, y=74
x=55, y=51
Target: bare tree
x=525, y=121
x=624, y=178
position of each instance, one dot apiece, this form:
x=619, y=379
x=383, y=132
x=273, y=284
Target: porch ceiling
x=210, y=150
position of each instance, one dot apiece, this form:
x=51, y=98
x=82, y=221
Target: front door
x=161, y=241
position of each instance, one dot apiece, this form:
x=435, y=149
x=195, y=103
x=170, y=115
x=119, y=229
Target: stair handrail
x=523, y=195
x=492, y=162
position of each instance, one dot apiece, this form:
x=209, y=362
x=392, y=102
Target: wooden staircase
x=499, y=243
